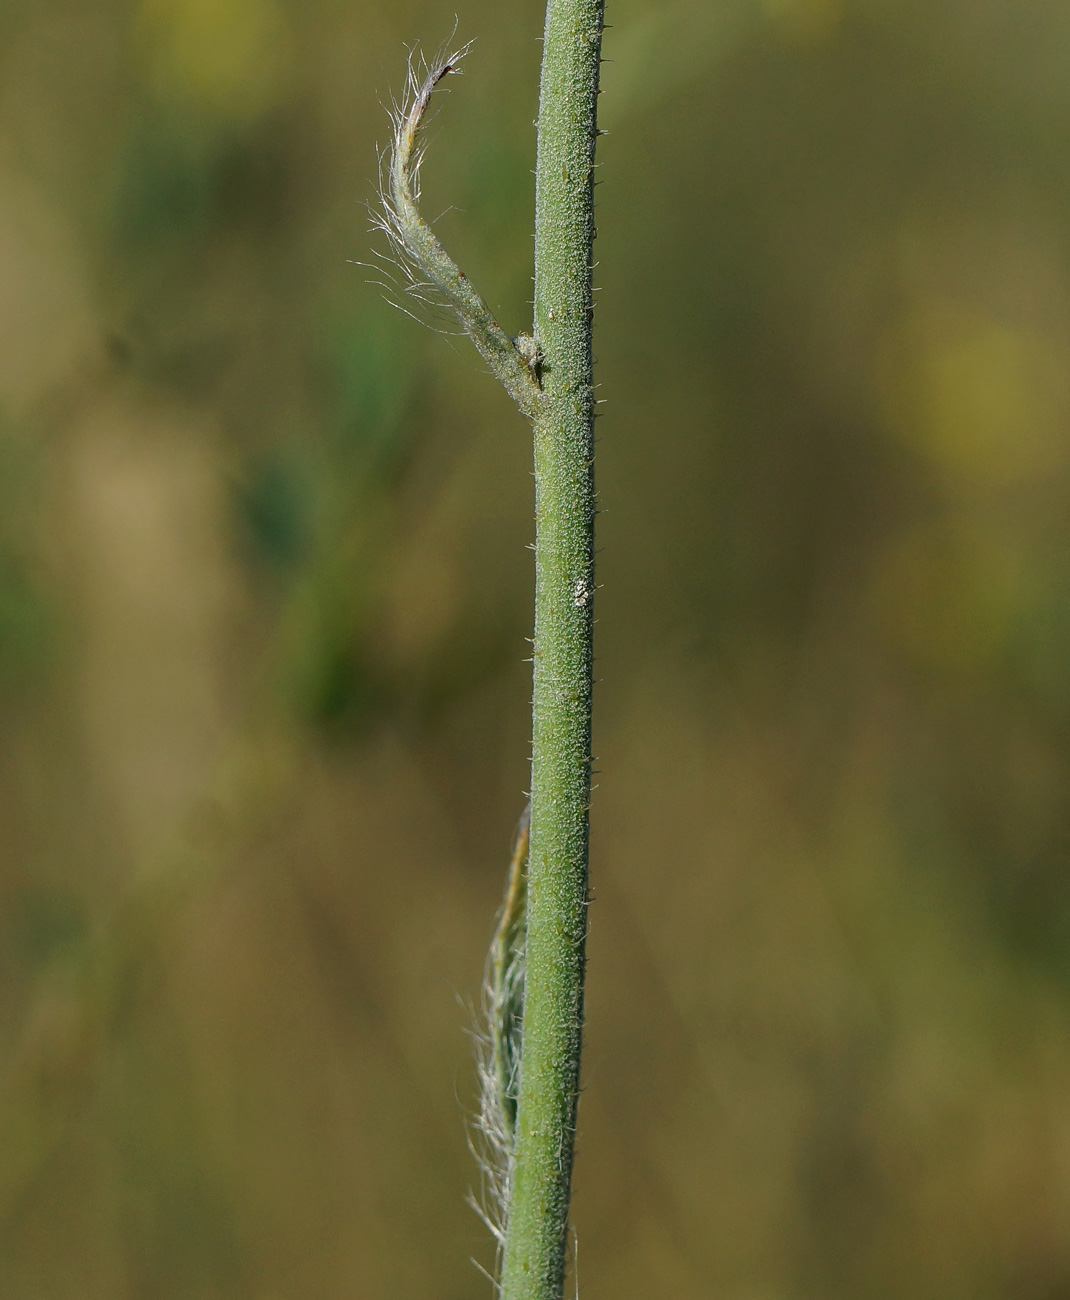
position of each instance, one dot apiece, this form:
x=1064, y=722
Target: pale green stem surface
x=536, y=1237
x=550, y=376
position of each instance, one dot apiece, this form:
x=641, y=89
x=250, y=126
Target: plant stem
x=550, y=377
x=533, y=1267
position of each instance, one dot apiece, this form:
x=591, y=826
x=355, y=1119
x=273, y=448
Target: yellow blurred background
x=264, y=593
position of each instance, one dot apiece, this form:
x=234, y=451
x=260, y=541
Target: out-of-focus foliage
x=263, y=599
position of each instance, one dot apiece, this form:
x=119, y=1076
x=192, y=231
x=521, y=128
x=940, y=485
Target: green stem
x=535, y=1247
x=550, y=376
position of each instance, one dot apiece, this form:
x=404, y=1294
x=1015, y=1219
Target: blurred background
x=264, y=593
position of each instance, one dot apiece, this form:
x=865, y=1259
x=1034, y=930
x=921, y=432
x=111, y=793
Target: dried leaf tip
x=428, y=268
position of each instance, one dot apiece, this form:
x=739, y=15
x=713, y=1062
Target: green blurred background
x=264, y=590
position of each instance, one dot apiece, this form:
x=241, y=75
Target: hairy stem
x=533, y=1267
x=537, y=960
